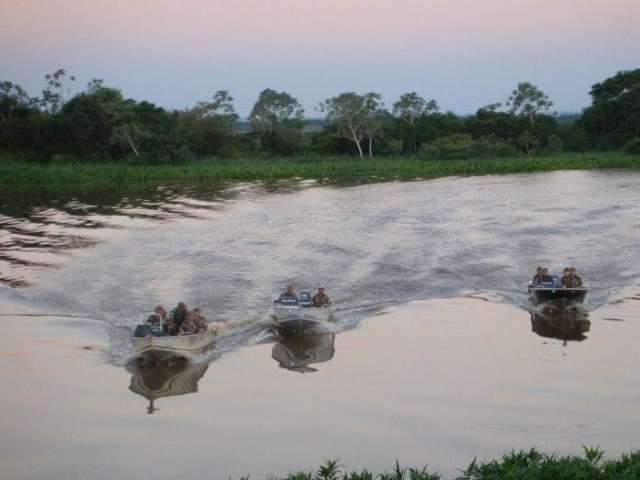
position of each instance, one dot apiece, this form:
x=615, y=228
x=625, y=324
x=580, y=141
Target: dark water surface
x=437, y=381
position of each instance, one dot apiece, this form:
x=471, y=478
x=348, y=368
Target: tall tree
x=374, y=119
x=614, y=115
x=527, y=141
x=488, y=121
x=355, y=117
x=144, y=129
x=12, y=97
x=94, y=85
x=58, y=88
x=100, y=124
x=14, y=104
x=208, y=127
x=221, y=104
x=492, y=107
x=277, y=118
x=411, y=106
x=86, y=123
x=131, y=131
x=529, y=101
x=346, y=113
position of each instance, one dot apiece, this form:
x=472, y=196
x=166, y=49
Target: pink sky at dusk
x=463, y=53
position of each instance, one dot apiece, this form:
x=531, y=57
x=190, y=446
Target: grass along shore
x=16, y=173
x=522, y=465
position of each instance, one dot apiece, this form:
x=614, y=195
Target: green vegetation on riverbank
x=523, y=465
x=331, y=169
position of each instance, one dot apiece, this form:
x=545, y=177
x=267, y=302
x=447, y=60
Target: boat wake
x=229, y=251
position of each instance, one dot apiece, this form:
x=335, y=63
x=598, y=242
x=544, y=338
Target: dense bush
x=462, y=147
x=632, y=147
x=494, y=147
x=573, y=137
x=555, y=145
x=454, y=147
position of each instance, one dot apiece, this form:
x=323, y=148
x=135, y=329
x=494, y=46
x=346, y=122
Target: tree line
x=100, y=124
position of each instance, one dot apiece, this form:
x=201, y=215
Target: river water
x=433, y=274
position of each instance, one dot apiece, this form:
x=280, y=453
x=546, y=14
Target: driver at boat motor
x=194, y=323
x=289, y=294
x=576, y=278
x=321, y=299
x=570, y=279
x=199, y=320
x=158, y=315
x=567, y=281
x=189, y=325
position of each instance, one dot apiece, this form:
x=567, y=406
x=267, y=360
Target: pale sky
x=463, y=53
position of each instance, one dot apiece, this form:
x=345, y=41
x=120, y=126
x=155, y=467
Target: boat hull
x=185, y=346
x=298, y=319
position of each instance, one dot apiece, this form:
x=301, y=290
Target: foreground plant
x=535, y=465
x=515, y=465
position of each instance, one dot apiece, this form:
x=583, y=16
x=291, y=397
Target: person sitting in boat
x=199, y=320
x=537, y=276
x=289, y=295
x=567, y=280
x=179, y=315
x=189, y=326
x=158, y=314
x=545, y=277
x=576, y=278
x=321, y=299
x=170, y=327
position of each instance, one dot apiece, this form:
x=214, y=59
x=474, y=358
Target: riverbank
x=14, y=174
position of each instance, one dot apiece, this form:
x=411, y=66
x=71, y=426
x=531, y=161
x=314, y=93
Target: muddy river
x=435, y=354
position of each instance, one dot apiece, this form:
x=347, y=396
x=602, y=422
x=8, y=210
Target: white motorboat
x=552, y=290
x=152, y=341
x=299, y=315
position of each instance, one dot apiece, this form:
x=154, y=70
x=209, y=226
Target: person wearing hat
x=179, y=315
x=159, y=315
x=189, y=325
x=567, y=280
x=544, y=276
x=537, y=277
x=321, y=299
x=577, y=279
x=289, y=295
x=199, y=320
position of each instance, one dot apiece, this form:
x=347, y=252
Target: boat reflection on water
x=298, y=353
x=170, y=377
x=566, y=321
